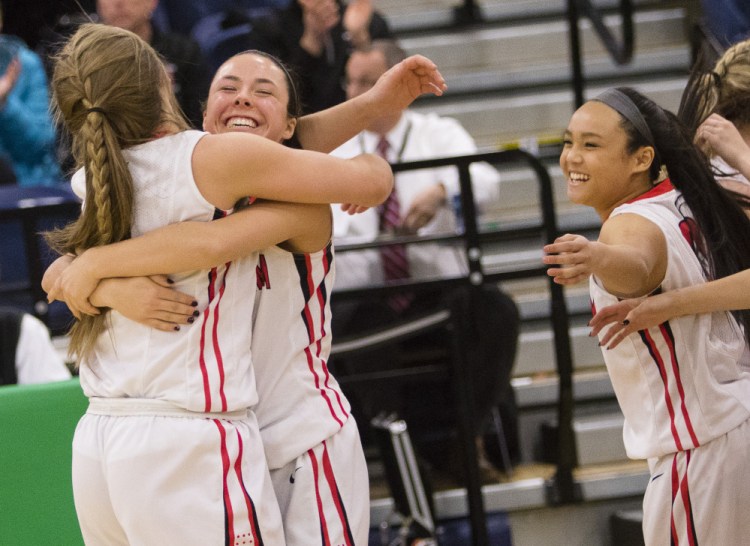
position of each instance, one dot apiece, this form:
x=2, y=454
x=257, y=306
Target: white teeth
x=241, y=122
x=578, y=177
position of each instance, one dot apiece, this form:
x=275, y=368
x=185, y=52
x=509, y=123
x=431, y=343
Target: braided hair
x=110, y=90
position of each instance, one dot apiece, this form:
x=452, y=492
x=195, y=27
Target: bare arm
x=230, y=166
x=149, y=300
x=394, y=91
x=717, y=135
x=188, y=246
x=630, y=257
x=731, y=293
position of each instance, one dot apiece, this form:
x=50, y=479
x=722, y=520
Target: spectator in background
x=27, y=354
x=27, y=133
x=182, y=55
x=728, y=20
x=424, y=206
x=315, y=38
x=182, y=15
x=425, y=196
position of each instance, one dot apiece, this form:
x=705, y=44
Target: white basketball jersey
x=680, y=384
x=301, y=403
x=206, y=366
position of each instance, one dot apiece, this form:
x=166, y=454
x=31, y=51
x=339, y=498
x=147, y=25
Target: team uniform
x=684, y=388
x=311, y=441
x=168, y=452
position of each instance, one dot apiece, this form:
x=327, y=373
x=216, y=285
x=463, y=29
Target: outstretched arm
x=394, y=91
x=630, y=257
x=628, y=316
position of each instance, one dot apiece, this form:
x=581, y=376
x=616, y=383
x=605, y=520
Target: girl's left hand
x=74, y=286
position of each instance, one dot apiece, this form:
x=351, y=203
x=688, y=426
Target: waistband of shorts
x=154, y=408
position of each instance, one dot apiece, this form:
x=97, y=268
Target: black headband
x=623, y=105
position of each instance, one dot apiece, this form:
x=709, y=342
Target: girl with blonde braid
x=253, y=92
x=716, y=107
x=169, y=451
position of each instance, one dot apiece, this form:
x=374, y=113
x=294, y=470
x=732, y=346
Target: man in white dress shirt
x=26, y=351
x=424, y=206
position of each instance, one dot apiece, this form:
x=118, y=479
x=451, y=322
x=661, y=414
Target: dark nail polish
x=626, y=322
x=176, y=328
x=194, y=304
x=191, y=320
x=170, y=281
x=196, y=313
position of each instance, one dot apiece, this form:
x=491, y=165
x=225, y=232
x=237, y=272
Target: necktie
x=393, y=257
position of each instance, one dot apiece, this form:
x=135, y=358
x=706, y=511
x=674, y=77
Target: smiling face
x=599, y=170
x=249, y=94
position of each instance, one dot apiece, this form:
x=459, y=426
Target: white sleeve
x=37, y=360
x=451, y=139
x=78, y=183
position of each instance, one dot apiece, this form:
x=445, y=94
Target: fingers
x=606, y=315
x=88, y=309
x=622, y=334
x=351, y=209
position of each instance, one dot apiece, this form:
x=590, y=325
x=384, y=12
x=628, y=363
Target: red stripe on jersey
x=318, y=500
x=331, y=479
x=663, y=373
x=202, y=354
x=228, y=512
x=322, y=303
x=252, y=515
x=215, y=339
x=323, y=393
x=666, y=333
x=309, y=326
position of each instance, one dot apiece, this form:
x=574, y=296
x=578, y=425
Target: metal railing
x=561, y=488
x=621, y=51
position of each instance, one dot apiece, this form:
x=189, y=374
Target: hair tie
x=96, y=109
x=717, y=79
x=623, y=105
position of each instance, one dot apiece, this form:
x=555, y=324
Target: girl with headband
x=716, y=106
x=683, y=387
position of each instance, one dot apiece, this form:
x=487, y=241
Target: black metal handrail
x=621, y=51
x=562, y=488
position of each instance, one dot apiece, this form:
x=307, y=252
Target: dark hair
x=722, y=221
x=294, y=106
